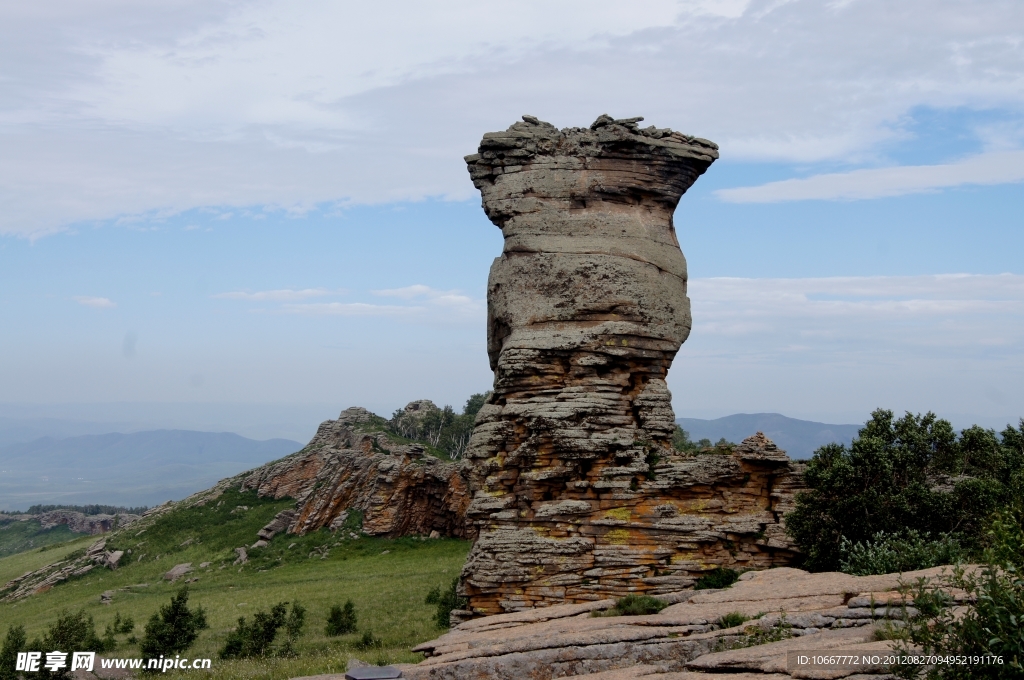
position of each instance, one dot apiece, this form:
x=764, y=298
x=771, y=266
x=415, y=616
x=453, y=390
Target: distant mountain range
x=70, y=466
x=799, y=438
x=140, y=468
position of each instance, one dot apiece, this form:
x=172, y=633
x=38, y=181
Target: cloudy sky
x=205, y=205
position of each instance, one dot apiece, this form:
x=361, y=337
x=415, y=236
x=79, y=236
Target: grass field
x=16, y=537
x=386, y=579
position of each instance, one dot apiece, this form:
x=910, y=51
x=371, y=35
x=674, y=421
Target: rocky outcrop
x=352, y=465
x=787, y=609
x=41, y=580
x=578, y=494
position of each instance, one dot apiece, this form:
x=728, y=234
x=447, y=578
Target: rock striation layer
x=578, y=494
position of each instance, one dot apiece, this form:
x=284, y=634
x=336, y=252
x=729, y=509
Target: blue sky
x=216, y=209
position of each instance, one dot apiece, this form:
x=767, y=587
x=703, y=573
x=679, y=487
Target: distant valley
x=799, y=438
x=139, y=468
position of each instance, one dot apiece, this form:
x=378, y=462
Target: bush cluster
x=638, y=605
x=341, y=620
x=912, y=473
x=681, y=442
x=733, y=619
x=447, y=601
x=119, y=626
x=993, y=626
x=71, y=632
x=173, y=628
x=255, y=638
x=719, y=577
x=904, y=551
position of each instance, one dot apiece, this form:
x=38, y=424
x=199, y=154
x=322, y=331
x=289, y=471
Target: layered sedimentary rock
x=350, y=464
x=577, y=492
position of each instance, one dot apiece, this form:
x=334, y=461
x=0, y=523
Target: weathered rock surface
x=177, y=571
x=685, y=640
x=578, y=494
x=350, y=465
x=41, y=580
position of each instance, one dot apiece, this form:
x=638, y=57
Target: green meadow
x=16, y=537
x=386, y=579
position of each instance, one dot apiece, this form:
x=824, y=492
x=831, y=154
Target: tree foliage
x=904, y=551
x=255, y=638
x=174, y=628
x=447, y=601
x=681, y=442
x=14, y=642
x=441, y=428
x=993, y=626
x=71, y=632
x=912, y=473
x=341, y=620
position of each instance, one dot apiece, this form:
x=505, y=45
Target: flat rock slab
x=682, y=642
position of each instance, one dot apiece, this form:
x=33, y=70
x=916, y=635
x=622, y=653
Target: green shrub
x=449, y=601
x=638, y=605
x=14, y=642
x=120, y=626
x=719, y=577
x=174, y=628
x=992, y=626
x=368, y=641
x=255, y=638
x=733, y=619
x=341, y=620
x=681, y=441
x=433, y=595
x=71, y=632
x=440, y=428
x=249, y=639
x=293, y=628
x=905, y=551
x=911, y=473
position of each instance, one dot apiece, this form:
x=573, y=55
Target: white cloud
x=423, y=303
x=941, y=312
x=408, y=292
x=283, y=295
x=451, y=299
x=94, y=302
x=119, y=108
x=350, y=309
x=987, y=168
x=835, y=348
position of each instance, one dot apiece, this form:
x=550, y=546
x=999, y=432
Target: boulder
x=177, y=571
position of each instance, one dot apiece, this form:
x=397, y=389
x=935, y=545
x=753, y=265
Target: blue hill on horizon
x=799, y=438
x=138, y=468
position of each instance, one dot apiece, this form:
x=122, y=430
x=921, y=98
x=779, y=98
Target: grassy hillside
x=386, y=579
x=16, y=537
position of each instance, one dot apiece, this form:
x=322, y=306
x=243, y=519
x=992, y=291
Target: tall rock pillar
x=586, y=308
